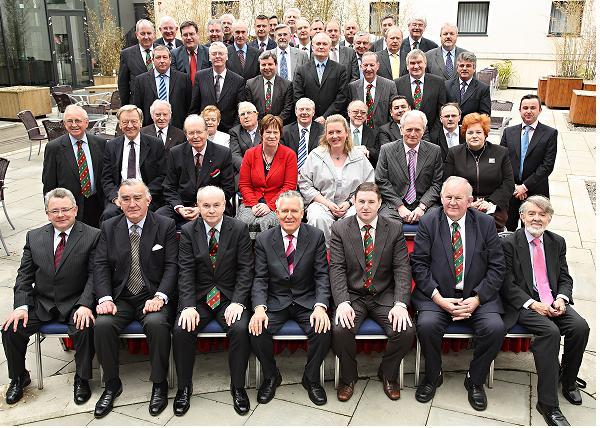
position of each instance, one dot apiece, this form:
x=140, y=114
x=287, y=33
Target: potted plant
x=505, y=72
x=106, y=41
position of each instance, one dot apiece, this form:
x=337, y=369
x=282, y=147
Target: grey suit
x=297, y=58
x=180, y=59
x=385, y=67
x=385, y=90
x=282, y=97
x=391, y=175
x=347, y=57
x=436, y=62
x=477, y=97
x=239, y=142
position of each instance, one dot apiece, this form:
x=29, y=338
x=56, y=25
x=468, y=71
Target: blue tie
x=283, y=70
x=302, y=148
x=524, y=147
x=320, y=69
x=449, y=64
x=162, y=88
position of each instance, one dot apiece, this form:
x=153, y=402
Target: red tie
x=290, y=252
x=192, y=65
x=541, y=274
x=59, y=249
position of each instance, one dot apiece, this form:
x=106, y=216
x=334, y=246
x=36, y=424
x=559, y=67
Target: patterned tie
x=524, y=147
x=283, y=68
x=136, y=281
x=541, y=274
x=411, y=194
x=198, y=163
x=415, y=45
x=262, y=47
x=159, y=134
x=449, y=64
x=213, y=298
x=268, y=99
x=217, y=87
x=369, y=250
x=290, y=252
x=355, y=139
x=395, y=63
x=84, y=172
x=463, y=89
x=193, y=65
x=242, y=57
x=162, y=88
x=131, y=161
x=457, y=248
x=59, y=249
x=149, y=65
x=370, y=107
x=170, y=45
x=334, y=54
x=302, y=152
x=418, y=96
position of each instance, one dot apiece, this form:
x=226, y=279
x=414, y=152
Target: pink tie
x=541, y=275
x=289, y=254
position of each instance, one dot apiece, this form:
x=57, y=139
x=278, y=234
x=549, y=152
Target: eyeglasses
x=194, y=132
x=361, y=112
x=247, y=113
x=129, y=122
x=58, y=211
x=74, y=121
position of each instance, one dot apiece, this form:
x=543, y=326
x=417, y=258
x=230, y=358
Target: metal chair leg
x=401, y=374
x=38, y=361
x=247, y=384
x=258, y=373
x=171, y=373
x=417, y=363
x=336, y=375
x=3, y=243
x=322, y=374
x=6, y=214
x=30, y=148
x=490, y=382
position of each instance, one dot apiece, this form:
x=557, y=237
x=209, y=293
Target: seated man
x=54, y=283
x=361, y=289
x=303, y=135
x=537, y=294
x=161, y=128
x=135, y=272
x=245, y=135
x=458, y=268
x=291, y=281
x=360, y=133
x=215, y=277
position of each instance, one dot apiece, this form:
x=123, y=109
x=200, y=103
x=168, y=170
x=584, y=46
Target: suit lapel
x=356, y=242
x=224, y=239
x=470, y=90
x=381, y=237
x=327, y=71
x=471, y=232
x=552, y=257
x=48, y=244
x=201, y=239
x=385, y=62
x=402, y=160
x=446, y=240
x=97, y=156
x=261, y=91
x=69, y=155
x=525, y=259
x=206, y=163
x=537, y=136
x=313, y=71
x=406, y=88
x=147, y=238
x=421, y=158
x=439, y=60
x=277, y=244
x=301, y=244
x=144, y=149
x=74, y=237
x=123, y=245
x=295, y=130
x=152, y=82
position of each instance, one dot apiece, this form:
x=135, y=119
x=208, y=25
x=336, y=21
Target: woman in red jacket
x=267, y=170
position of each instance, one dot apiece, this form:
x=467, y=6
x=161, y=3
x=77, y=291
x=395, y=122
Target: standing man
x=303, y=135
x=135, y=272
x=386, y=22
x=472, y=95
x=350, y=29
x=291, y=281
x=342, y=54
x=362, y=44
x=227, y=20
x=289, y=59
x=214, y=29
x=537, y=294
x=74, y=161
x=415, y=39
x=135, y=60
x=317, y=26
x=160, y=111
x=532, y=150
x=242, y=58
x=215, y=278
x=54, y=283
x=261, y=27
x=163, y=83
x=192, y=56
x=370, y=277
x=442, y=61
x=290, y=16
x=392, y=62
x=361, y=134
x=245, y=135
x=458, y=268
x=168, y=30
x=303, y=33
x=448, y=134
x=273, y=23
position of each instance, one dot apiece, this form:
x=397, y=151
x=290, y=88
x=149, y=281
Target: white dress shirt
x=413, y=85
x=221, y=81
x=164, y=131
x=88, y=157
x=124, y=162
x=452, y=137
x=373, y=89
x=143, y=52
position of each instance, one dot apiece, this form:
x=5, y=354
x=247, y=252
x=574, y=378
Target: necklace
x=267, y=163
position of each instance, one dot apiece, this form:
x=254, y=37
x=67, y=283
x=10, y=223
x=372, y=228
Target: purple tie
x=541, y=274
x=411, y=194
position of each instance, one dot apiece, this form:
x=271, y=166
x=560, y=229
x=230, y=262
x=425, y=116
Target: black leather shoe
x=266, y=392
x=552, y=415
x=106, y=401
x=81, y=390
x=426, y=390
x=477, y=397
x=572, y=394
x=316, y=393
x=241, y=402
x=15, y=390
x=159, y=398
x=182, y=401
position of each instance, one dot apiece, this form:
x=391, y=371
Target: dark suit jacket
x=282, y=97
x=175, y=136
x=239, y=142
x=347, y=58
x=181, y=185
x=152, y=167
x=385, y=67
x=113, y=256
x=291, y=136
x=433, y=97
x=273, y=285
x=518, y=279
x=392, y=278
x=161, y=41
x=251, y=68
x=60, y=167
x=377, y=45
x=539, y=159
x=477, y=98
x=436, y=62
x=131, y=65
x=271, y=44
x=180, y=59
x=232, y=93
x=330, y=96
x=234, y=267
x=391, y=174
x=388, y=133
x=424, y=45
x=41, y=287
x=439, y=138
x=384, y=92
x=180, y=92
x=369, y=140
x=433, y=265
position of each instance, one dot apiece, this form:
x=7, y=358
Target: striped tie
x=302, y=148
x=149, y=65
x=457, y=248
x=213, y=298
x=418, y=96
x=290, y=252
x=369, y=250
x=162, y=88
x=268, y=100
x=136, y=281
x=370, y=107
x=84, y=172
x=411, y=194
x=242, y=57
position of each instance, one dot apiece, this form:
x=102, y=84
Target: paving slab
x=78, y=419
x=140, y=412
x=587, y=309
x=513, y=376
x=576, y=415
x=285, y=413
x=117, y=419
x=208, y=412
x=443, y=417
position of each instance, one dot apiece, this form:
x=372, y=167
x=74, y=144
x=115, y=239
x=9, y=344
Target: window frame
x=487, y=18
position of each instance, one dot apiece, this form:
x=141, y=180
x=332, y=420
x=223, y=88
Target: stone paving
x=511, y=400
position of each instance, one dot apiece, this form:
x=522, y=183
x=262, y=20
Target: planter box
x=541, y=89
x=105, y=80
x=589, y=85
x=559, y=91
x=14, y=99
x=583, y=108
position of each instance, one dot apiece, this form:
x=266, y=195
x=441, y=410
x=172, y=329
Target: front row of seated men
x=128, y=271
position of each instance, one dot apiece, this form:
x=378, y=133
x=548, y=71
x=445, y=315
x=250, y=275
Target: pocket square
x=157, y=247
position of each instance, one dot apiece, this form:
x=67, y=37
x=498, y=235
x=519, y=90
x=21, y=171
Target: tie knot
x=463, y=84
x=417, y=82
x=162, y=75
x=304, y=131
x=412, y=152
x=62, y=235
x=131, y=143
x=290, y=238
x=449, y=54
x=455, y=226
x=366, y=228
x=79, y=144
x=269, y=82
x=526, y=128
x=134, y=229
x=536, y=241
x=148, y=50
x=212, y=230
x=356, y=130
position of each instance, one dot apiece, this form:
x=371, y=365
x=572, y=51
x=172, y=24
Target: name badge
x=492, y=160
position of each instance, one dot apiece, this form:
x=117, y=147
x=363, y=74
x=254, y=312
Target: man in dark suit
x=472, y=95
x=168, y=30
x=261, y=28
x=409, y=171
x=361, y=135
x=391, y=131
x=303, y=34
x=391, y=62
x=61, y=165
x=325, y=85
x=289, y=58
x=455, y=282
x=350, y=30
x=163, y=83
x=192, y=166
x=376, y=91
x=415, y=40
x=192, y=56
x=215, y=278
x=386, y=22
x=270, y=93
x=214, y=30
x=303, y=135
x=537, y=294
x=219, y=87
x=441, y=61
x=245, y=135
x=135, y=60
x=135, y=274
x=132, y=155
x=242, y=58
x=291, y=281
x=532, y=148
x=426, y=92
x=370, y=276
x=448, y=134
x=160, y=111
x=227, y=20
x=54, y=283
x=362, y=45
x=342, y=54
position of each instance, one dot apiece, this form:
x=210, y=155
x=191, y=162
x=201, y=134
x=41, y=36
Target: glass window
x=473, y=17
x=565, y=18
x=378, y=10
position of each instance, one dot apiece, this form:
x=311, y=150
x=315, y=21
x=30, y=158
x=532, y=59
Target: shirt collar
x=374, y=83
x=67, y=232
x=202, y=152
x=317, y=62
x=445, y=52
x=136, y=140
x=468, y=82
x=421, y=79
x=286, y=50
x=411, y=41
x=143, y=50
x=243, y=48
x=140, y=224
x=406, y=148
x=532, y=126
x=361, y=224
x=352, y=128
x=272, y=80
x=222, y=74
x=207, y=226
x=461, y=223
x=284, y=234
x=253, y=131
x=74, y=140
x=166, y=73
x=164, y=130
x=455, y=132
x=300, y=127
x=530, y=237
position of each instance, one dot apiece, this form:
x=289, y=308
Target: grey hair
x=415, y=53
x=363, y=33
x=267, y=55
x=418, y=18
x=368, y=54
x=227, y=15
x=291, y=9
x=239, y=23
x=142, y=22
x=414, y=114
x=213, y=21
x=130, y=107
x=166, y=19
x=217, y=45
x=448, y=25
x=540, y=201
x=290, y=194
x=459, y=180
x=247, y=106
x=60, y=193
x=158, y=103
x=74, y=108
x=194, y=118
x=305, y=100
x=467, y=57
x=134, y=182
x=160, y=48
x=206, y=190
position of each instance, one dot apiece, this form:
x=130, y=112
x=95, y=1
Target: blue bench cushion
x=408, y=228
x=370, y=328
x=290, y=328
x=518, y=329
x=213, y=327
x=54, y=328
